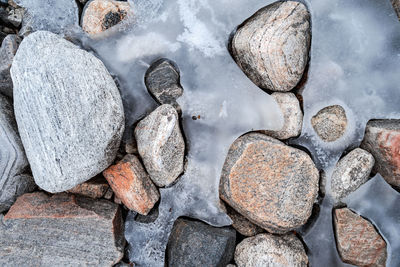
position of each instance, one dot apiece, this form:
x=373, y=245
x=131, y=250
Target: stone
x=240, y=223
x=330, y=123
x=100, y=15
x=396, y=6
x=382, y=140
x=132, y=185
x=61, y=230
x=271, y=250
x=68, y=109
x=15, y=16
x=13, y=163
x=94, y=188
x=161, y=145
x=272, y=46
x=271, y=184
x=357, y=240
x=352, y=171
x=194, y=243
x=293, y=116
x=8, y=49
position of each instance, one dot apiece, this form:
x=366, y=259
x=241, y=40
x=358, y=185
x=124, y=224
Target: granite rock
x=94, y=188
x=240, y=223
x=330, y=123
x=8, y=49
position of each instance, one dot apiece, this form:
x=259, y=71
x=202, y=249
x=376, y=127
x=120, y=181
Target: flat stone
x=357, y=240
x=330, y=123
x=8, y=49
x=271, y=47
x=62, y=230
x=161, y=145
x=271, y=184
x=13, y=163
x=382, y=140
x=194, y=243
x=94, y=188
x=132, y=184
x=240, y=223
x=271, y=250
x=68, y=109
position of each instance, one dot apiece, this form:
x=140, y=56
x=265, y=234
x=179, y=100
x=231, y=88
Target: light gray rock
x=271, y=251
x=8, y=49
x=330, y=123
x=68, y=109
x=161, y=145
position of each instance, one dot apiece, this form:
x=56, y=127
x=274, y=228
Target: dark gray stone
x=8, y=49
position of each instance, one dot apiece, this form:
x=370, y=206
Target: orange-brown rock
x=357, y=240
x=132, y=184
x=94, y=188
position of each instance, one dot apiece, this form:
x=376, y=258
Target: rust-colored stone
x=94, y=188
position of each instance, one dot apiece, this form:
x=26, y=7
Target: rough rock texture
x=270, y=183
x=193, y=243
x=351, y=172
x=357, y=240
x=293, y=116
x=94, y=188
x=132, y=184
x=240, y=223
x=8, y=49
x=100, y=15
x=13, y=162
x=330, y=123
x=161, y=145
x=272, y=46
x=62, y=230
x=396, y=6
x=271, y=250
x=382, y=140
x=68, y=109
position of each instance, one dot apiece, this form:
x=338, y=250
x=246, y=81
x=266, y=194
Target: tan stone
x=330, y=123
x=94, y=188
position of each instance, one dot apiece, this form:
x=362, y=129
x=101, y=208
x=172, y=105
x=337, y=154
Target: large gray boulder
x=68, y=109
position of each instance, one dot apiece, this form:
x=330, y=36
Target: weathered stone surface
x=351, y=172
x=357, y=240
x=396, y=6
x=68, y=109
x=100, y=15
x=94, y=188
x=193, y=243
x=62, y=230
x=270, y=183
x=272, y=46
x=382, y=140
x=271, y=250
x=132, y=184
x=240, y=223
x=161, y=145
x=8, y=49
x=293, y=116
x=330, y=123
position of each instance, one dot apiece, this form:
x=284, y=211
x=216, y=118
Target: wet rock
x=132, y=184
x=68, y=109
x=270, y=183
x=161, y=145
x=357, y=240
x=62, y=230
x=13, y=163
x=272, y=46
x=382, y=140
x=193, y=243
x=8, y=49
x=240, y=223
x=351, y=172
x=330, y=123
x=100, y=15
x=94, y=188
x=271, y=250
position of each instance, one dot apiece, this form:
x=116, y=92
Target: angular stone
x=161, y=145
x=357, y=240
x=194, y=243
x=94, y=188
x=330, y=123
x=62, y=230
x=270, y=183
x=8, y=49
x=271, y=250
x=351, y=172
x=240, y=223
x=271, y=47
x=382, y=140
x=396, y=6
x=68, y=109
x=132, y=184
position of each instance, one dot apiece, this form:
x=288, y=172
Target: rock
x=15, y=16
x=351, y=172
x=330, y=123
x=272, y=46
x=132, y=184
x=62, y=230
x=271, y=184
x=100, y=15
x=194, y=243
x=396, y=6
x=109, y=194
x=241, y=224
x=357, y=240
x=94, y=188
x=271, y=250
x=293, y=116
x=68, y=109
x=161, y=145
x=231, y=265
x=8, y=49
x=382, y=140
